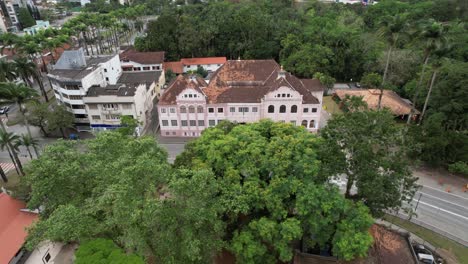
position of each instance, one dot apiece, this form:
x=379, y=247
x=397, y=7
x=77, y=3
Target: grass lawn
x=330, y=106
x=13, y=180
x=460, y=251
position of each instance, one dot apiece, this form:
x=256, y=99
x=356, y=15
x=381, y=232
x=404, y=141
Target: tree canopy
x=270, y=191
x=371, y=151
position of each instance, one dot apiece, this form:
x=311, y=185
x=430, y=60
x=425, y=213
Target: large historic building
x=241, y=91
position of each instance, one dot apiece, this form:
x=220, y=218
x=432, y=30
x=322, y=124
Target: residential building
x=10, y=11
x=13, y=223
x=210, y=64
x=98, y=92
x=40, y=25
x=241, y=91
x=74, y=74
x=398, y=106
x=133, y=95
x=132, y=60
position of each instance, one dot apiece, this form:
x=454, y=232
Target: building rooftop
x=246, y=81
x=147, y=77
x=149, y=57
x=74, y=65
x=111, y=90
x=178, y=85
x=13, y=224
x=391, y=100
x=205, y=60
x=175, y=66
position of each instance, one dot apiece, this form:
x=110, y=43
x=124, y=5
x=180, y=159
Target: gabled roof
x=175, y=66
x=247, y=81
x=390, y=100
x=201, y=61
x=240, y=81
x=178, y=85
x=13, y=224
x=148, y=57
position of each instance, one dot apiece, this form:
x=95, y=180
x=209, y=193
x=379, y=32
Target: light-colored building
x=210, y=64
x=40, y=25
x=132, y=60
x=241, y=91
x=74, y=74
x=133, y=95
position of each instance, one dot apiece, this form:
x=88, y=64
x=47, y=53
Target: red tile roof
x=207, y=60
x=175, y=66
x=150, y=57
x=248, y=81
x=12, y=226
x=390, y=100
x=178, y=85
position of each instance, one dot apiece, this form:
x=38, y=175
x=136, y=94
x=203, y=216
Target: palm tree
x=434, y=37
x=26, y=70
x=20, y=94
x=392, y=29
x=3, y=175
x=9, y=141
x=28, y=142
x=7, y=71
x=9, y=40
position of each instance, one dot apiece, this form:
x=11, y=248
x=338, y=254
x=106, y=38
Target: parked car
x=424, y=255
x=4, y=110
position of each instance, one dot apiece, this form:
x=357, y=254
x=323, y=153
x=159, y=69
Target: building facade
x=133, y=96
x=241, y=91
x=132, y=60
x=98, y=92
x=210, y=64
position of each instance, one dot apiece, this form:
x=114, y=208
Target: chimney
x=281, y=73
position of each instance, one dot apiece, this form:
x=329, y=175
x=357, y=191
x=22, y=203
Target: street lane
x=443, y=211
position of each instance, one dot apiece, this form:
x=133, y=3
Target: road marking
x=7, y=167
x=425, y=186
x=426, y=194
x=443, y=210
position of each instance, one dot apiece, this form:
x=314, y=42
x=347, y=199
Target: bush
x=459, y=167
x=103, y=251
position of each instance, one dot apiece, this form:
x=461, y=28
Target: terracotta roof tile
x=390, y=99
x=248, y=81
x=175, y=66
x=206, y=60
x=13, y=225
x=180, y=83
x=151, y=57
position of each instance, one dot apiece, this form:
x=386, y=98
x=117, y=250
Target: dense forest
x=419, y=41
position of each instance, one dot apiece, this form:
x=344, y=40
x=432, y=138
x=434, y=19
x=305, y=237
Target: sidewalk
x=432, y=178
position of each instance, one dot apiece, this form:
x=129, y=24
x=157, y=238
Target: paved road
x=442, y=211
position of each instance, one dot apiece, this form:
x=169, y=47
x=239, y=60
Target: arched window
x=304, y=123
x=191, y=109
x=200, y=109
x=183, y=109
x=282, y=109
x=294, y=109
x=271, y=109
x=312, y=124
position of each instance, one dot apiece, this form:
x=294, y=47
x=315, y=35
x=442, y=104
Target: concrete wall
x=38, y=256
x=135, y=66
x=208, y=67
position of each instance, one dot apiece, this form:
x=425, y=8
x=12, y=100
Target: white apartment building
x=133, y=96
x=98, y=93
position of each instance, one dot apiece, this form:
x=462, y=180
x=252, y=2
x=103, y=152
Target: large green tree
x=371, y=151
x=265, y=172
x=104, y=251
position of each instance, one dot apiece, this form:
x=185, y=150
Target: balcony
x=110, y=111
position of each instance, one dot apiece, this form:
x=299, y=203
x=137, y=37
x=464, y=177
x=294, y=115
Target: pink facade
x=242, y=92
